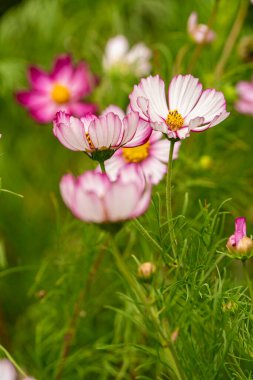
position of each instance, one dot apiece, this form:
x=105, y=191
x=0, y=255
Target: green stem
x=146, y=235
x=247, y=278
x=102, y=166
x=149, y=311
x=12, y=360
x=168, y=201
x=228, y=47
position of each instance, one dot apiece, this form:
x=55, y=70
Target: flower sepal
x=112, y=228
x=102, y=155
x=243, y=251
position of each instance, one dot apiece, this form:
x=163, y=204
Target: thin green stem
x=199, y=47
x=102, y=166
x=12, y=360
x=146, y=235
x=149, y=310
x=169, y=201
x=231, y=40
x=248, y=280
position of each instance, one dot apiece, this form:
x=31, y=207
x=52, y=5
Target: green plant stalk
x=228, y=47
x=146, y=235
x=164, y=341
x=12, y=360
x=102, y=166
x=169, y=201
x=247, y=278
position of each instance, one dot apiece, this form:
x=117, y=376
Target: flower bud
x=146, y=270
x=229, y=306
x=239, y=245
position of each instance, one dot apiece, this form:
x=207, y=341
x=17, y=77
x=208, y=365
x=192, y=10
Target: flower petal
x=136, y=130
x=39, y=79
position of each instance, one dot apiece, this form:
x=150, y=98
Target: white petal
x=115, y=51
x=137, y=131
x=115, y=109
x=184, y=92
x=7, y=370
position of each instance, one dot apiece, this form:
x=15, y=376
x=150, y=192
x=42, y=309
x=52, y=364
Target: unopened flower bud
x=146, y=270
x=229, y=306
x=174, y=335
x=239, y=245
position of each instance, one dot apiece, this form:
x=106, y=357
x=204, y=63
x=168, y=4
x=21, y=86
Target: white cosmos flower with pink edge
x=189, y=108
x=93, y=197
x=118, y=56
x=8, y=371
x=200, y=33
x=151, y=158
x=245, y=102
x=103, y=134
x=61, y=89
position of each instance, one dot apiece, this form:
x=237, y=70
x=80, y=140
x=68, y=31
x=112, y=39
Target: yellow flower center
x=174, y=120
x=60, y=94
x=137, y=154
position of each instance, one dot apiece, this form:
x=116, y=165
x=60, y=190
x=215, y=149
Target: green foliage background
x=47, y=257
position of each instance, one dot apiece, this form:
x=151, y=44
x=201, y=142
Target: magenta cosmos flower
x=61, y=89
x=100, y=136
x=200, y=33
x=92, y=197
x=239, y=244
x=245, y=101
x=189, y=107
x=151, y=158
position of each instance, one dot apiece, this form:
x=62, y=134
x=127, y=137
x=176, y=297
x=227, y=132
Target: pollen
x=137, y=154
x=174, y=120
x=91, y=145
x=60, y=94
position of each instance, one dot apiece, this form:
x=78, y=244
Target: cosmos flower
x=119, y=57
x=199, y=32
x=61, y=89
x=190, y=108
x=101, y=136
x=245, y=102
x=239, y=244
x=151, y=157
x=8, y=372
x=92, y=197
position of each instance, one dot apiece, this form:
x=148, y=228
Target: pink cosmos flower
x=190, y=108
x=150, y=157
x=245, y=101
x=239, y=243
x=118, y=56
x=199, y=32
x=8, y=372
x=61, y=89
x=99, y=135
x=92, y=197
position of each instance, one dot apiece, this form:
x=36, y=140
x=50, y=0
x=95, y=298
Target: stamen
x=60, y=94
x=174, y=120
x=91, y=145
x=137, y=154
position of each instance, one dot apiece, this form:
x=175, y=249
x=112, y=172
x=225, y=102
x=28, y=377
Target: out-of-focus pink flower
x=92, y=197
x=245, y=102
x=8, y=372
x=119, y=57
x=200, y=33
x=190, y=108
x=105, y=133
x=239, y=244
x=150, y=157
x=61, y=89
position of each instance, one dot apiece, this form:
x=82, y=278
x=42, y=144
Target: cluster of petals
x=189, y=108
x=61, y=89
x=93, y=197
x=200, y=33
x=106, y=132
x=119, y=56
x=151, y=158
x=245, y=102
x=8, y=372
x=239, y=243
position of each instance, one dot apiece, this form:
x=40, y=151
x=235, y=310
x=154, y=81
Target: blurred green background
x=212, y=166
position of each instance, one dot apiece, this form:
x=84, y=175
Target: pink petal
x=192, y=22
x=105, y=131
x=153, y=90
x=79, y=109
x=63, y=70
x=44, y=114
x=240, y=229
x=81, y=81
x=39, y=79
x=67, y=189
x=114, y=109
x=184, y=92
x=136, y=131
x=210, y=104
x=32, y=99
